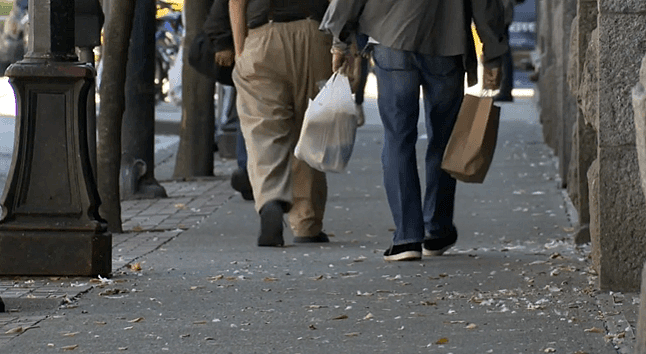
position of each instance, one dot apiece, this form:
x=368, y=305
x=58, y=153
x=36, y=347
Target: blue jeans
x=399, y=76
x=507, y=82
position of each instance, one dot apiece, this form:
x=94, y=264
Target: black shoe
x=271, y=225
x=436, y=246
x=320, y=238
x=503, y=97
x=240, y=182
x=405, y=252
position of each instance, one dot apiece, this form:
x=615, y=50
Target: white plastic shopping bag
x=329, y=127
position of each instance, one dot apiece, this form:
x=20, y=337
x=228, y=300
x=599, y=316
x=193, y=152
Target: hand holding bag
x=470, y=150
x=329, y=127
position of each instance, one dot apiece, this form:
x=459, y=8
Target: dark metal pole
x=86, y=55
x=50, y=222
x=89, y=19
x=138, y=131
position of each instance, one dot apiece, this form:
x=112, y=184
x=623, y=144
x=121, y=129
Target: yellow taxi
x=164, y=9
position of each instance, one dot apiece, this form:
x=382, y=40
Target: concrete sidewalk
x=188, y=277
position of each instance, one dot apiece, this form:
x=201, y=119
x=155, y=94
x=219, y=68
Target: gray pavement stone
x=127, y=248
x=515, y=282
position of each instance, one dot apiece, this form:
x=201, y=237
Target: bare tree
x=115, y=57
x=195, y=153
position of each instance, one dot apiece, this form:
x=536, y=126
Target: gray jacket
x=433, y=27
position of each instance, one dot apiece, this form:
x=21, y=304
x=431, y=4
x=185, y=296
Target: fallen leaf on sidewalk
x=471, y=326
x=594, y=330
x=109, y=292
x=102, y=281
x=180, y=206
x=341, y=317
x=135, y=267
x=136, y=320
x=549, y=350
x=316, y=307
x=216, y=278
x=317, y=278
x=368, y=316
x=270, y=279
x=70, y=347
x=556, y=256
x=15, y=330
x=70, y=334
x=199, y=322
x=137, y=228
x=352, y=334
x=123, y=348
x=442, y=341
x=100, y=323
x=611, y=337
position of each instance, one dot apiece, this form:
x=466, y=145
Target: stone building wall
x=607, y=44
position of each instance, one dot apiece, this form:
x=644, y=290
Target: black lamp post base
x=62, y=253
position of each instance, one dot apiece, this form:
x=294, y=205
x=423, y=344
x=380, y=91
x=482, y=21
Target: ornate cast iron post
x=50, y=223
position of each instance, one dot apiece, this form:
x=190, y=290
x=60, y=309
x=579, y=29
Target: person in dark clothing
x=427, y=44
x=507, y=83
x=218, y=29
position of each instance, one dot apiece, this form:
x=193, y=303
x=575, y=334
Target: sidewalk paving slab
x=514, y=283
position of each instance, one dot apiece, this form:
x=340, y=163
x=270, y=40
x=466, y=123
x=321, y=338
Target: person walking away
x=507, y=83
x=281, y=57
x=218, y=29
x=425, y=43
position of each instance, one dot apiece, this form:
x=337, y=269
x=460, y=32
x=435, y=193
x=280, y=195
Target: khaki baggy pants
x=275, y=76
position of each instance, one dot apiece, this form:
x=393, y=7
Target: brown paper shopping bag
x=468, y=155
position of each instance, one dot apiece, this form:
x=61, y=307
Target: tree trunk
x=138, y=126
x=115, y=57
x=195, y=152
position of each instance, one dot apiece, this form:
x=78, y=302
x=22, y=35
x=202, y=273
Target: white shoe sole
x=404, y=256
x=435, y=253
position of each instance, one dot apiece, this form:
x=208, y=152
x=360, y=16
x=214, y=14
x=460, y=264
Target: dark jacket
x=260, y=12
x=218, y=27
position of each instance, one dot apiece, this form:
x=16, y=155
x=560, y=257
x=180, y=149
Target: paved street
x=188, y=277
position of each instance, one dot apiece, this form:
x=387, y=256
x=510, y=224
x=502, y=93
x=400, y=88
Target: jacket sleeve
x=217, y=26
x=489, y=18
x=341, y=18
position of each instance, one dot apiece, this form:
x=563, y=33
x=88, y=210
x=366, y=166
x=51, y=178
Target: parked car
x=522, y=34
